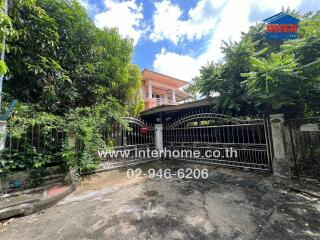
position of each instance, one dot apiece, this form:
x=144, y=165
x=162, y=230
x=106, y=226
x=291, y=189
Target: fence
x=40, y=146
x=303, y=146
x=37, y=143
x=125, y=144
x=31, y=158
x=251, y=139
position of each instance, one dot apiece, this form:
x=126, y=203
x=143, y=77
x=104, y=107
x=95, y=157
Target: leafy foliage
x=272, y=80
x=6, y=31
x=29, y=158
x=87, y=126
x=225, y=78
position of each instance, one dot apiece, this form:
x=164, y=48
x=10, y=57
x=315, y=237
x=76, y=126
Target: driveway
x=229, y=204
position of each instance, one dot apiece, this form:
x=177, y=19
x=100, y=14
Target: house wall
x=165, y=90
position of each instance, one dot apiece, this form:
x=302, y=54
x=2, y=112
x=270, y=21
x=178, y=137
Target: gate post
x=3, y=134
x=158, y=131
x=280, y=161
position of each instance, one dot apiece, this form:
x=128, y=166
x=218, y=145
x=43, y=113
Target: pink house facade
x=158, y=89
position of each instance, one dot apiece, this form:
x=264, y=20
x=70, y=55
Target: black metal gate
x=204, y=137
x=304, y=147
x=129, y=144
x=220, y=139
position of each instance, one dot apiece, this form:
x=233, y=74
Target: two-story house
x=158, y=89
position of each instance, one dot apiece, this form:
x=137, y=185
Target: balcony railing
x=165, y=102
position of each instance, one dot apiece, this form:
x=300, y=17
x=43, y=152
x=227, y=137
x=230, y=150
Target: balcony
x=160, y=102
x=154, y=102
x=155, y=96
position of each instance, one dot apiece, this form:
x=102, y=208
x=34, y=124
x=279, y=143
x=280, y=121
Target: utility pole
x=3, y=124
x=5, y=10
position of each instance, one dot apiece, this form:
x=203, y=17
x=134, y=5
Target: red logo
x=292, y=28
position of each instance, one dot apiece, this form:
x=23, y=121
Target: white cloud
x=218, y=3
x=125, y=15
x=176, y=65
x=275, y=5
x=167, y=23
x=231, y=18
x=228, y=27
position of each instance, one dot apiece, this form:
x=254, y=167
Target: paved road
x=230, y=204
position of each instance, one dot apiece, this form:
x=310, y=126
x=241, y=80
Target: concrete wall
x=49, y=174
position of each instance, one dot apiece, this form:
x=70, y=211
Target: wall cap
x=278, y=115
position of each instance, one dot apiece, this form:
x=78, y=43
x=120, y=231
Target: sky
x=177, y=37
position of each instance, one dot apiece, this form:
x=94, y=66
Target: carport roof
x=189, y=106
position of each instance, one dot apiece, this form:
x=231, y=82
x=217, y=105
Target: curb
x=29, y=208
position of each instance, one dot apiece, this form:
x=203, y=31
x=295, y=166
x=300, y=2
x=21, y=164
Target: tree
x=6, y=31
x=64, y=61
x=225, y=78
x=35, y=76
x=68, y=74
x=275, y=82
x=262, y=76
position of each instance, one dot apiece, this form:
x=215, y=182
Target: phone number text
x=187, y=173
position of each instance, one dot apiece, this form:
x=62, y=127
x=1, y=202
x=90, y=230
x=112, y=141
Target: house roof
x=183, y=94
x=159, y=77
x=281, y=18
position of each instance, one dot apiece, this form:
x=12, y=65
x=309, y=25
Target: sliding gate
x=129, y=143
x=219, y=139
x=204, y=138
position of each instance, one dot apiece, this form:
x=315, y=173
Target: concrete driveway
x=230, y=204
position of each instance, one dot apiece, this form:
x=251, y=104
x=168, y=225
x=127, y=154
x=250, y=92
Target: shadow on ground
x=230, y=204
